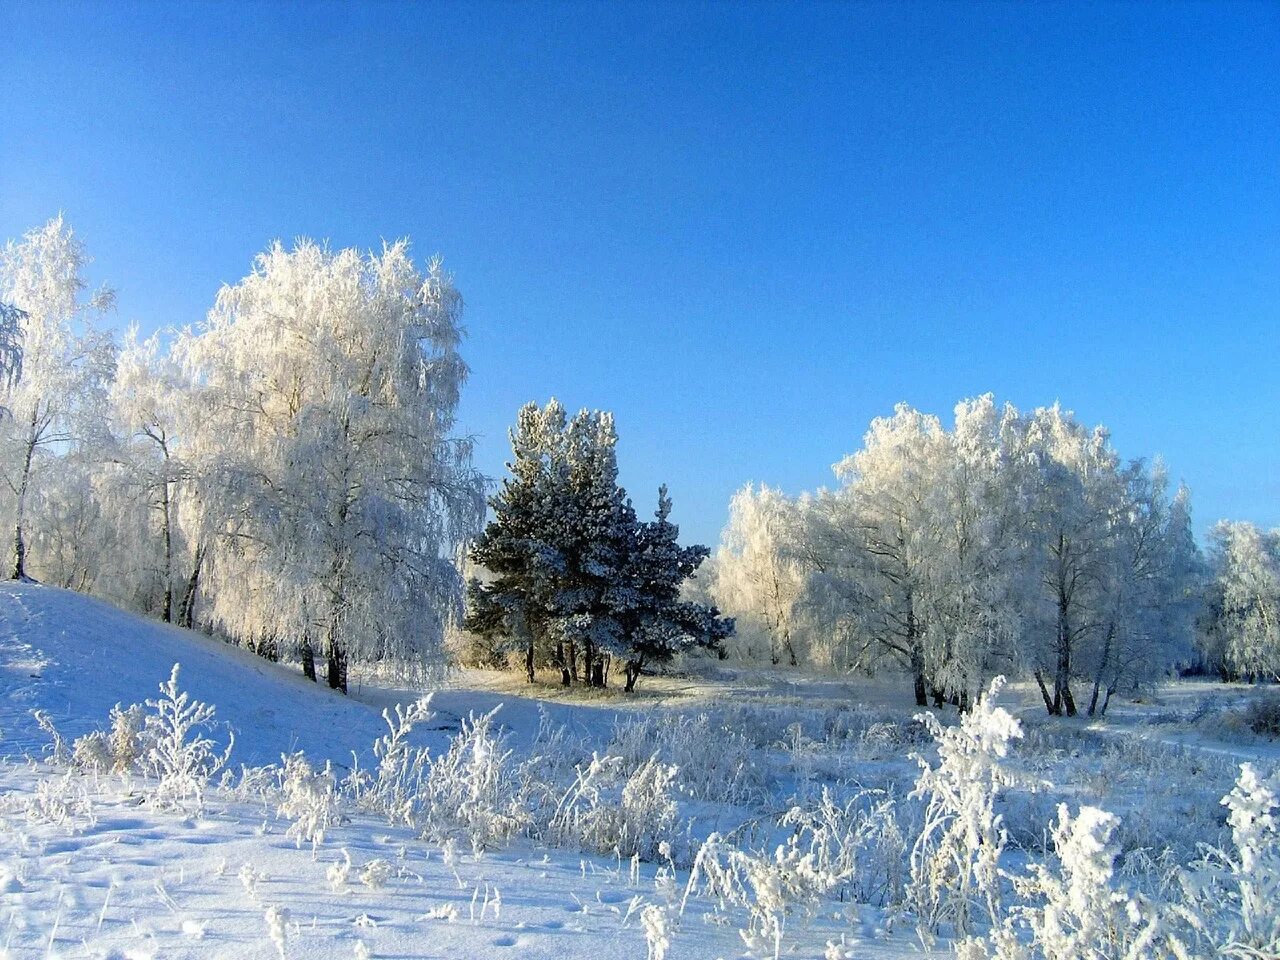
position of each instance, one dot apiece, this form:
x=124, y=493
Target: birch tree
x=334, y=378
x=56, y=397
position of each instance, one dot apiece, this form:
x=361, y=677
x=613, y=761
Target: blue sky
x=745, y=228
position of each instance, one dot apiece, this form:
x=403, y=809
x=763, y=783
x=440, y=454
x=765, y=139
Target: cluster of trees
x=1240, y=639
x=572, y=578
x=285, y=474
x=1010, y=543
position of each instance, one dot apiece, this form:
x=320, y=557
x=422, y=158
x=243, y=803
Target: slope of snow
x=76, y=657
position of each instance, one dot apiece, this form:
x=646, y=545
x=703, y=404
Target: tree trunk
x=632, y=670
x=1044, y=692
x=1103, y=663
x=186, y=609
x=19, y=541
x=337, y=668
x=166, y=600
x=564, y=665
x=336, y=659
x=308, y=660
x=917, y=663
x=1062, y=698
x=528, y=658
x=572, y=657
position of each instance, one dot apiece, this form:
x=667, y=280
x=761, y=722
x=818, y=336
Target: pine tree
x=573, y=572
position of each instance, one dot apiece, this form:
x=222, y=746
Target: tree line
x=285, y=473
x=288, y=474
x=1011, y=543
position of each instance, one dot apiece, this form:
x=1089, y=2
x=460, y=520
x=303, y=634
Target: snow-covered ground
x=91, y=867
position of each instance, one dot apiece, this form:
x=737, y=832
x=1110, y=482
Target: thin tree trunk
x=564, y=664
x=186, y=609
x=1102, y=666
x=632, y=670
x=336, y=659
x=572, y=657
x=308, y=660
x=166, y=601
x=19, y=541
x=917, y=661
x=1044, y=692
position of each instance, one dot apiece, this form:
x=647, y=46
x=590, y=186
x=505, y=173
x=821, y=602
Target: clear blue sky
x=747, y=229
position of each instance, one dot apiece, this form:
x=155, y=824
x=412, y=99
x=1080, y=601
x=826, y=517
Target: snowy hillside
x=76, y=657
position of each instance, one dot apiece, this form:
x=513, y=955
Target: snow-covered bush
x=58, y=752
x=656, y=921
x=716, y=761
x=116, y=750
x=92, y=752
x=1233, y=899
x=277, y=919
x=859, y=841
x=61, y=799
x=179, y=755
x=1076, y=913
x=769, y=887
x=473, y=787
x=309, y=799
x=1262, y=715
x=637, y=820
x=392, y=790
x=956, y=858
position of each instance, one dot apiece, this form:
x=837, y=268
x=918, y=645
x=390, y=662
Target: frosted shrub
x=859, y=841
x=1076, y=913
x=400, y=765
x=117, y=750
x=277, y=919
x=770, y=888
x=182, y=759
x=1234, y=899
x=656, y=922
x=591, y=815
x=1254, y=803
x=473, y=787
x=955, y=860
x=376, y=873
x=62, y=800
x=127, y=739
x=58, y=752
x=308, y=799
x=92, y=752
x=716, y=761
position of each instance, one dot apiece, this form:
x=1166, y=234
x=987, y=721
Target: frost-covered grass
x=776, y=815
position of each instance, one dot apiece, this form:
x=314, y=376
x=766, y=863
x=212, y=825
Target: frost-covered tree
x=1008, y=542
x=1244, y=625
x=974, y=534
x=10, y=344
x=1151, y=592
x=757, y=578
x=148, y=474
x=1077, y=493
x=56, y=396
x=342, y=494
x=881, y=524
